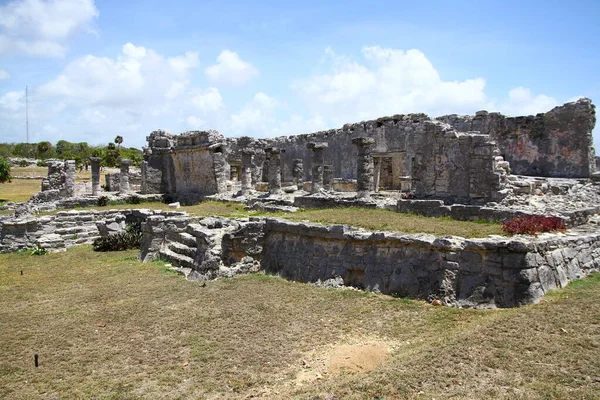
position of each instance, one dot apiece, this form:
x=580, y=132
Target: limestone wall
x=556, y=144
x=63, y=230
x=502, y=272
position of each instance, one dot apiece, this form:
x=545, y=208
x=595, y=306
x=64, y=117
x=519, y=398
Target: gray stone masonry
x=65, y=229
x=318, y=149
x=364, y=166
x=557, y=143
x=95, y=165
x=487, y=272
x=298, y=172
x=492, y=272
x=68, y=187
x=328, y=177
x=124, y=176
x=274, y=171
x=247, y=184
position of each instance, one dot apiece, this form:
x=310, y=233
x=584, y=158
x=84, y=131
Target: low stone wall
x=63, y=230
x=502, y=272
x=319, y=202
x=462, y=212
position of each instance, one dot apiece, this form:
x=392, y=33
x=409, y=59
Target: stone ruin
x=483, y=167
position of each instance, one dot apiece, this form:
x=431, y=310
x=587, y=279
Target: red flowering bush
x=532, y=225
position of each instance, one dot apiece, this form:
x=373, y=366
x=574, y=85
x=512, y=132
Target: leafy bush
x=532, y=225
x=130, y=238
x=134, y=199
x=38, y=251
x=102, y=201
x=4, y=170
x=23, y=163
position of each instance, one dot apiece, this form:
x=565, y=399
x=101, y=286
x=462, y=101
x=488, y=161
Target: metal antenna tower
x=27, y=113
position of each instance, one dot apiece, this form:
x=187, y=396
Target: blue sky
x=100, y=69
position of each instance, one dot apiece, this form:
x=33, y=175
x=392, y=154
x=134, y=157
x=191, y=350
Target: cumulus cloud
x=4, y=75
x=42, y=27
x=137, y=75
x=230, y=69
x=208, y=100
x=387, y=81
x=255, y=117
x=522, y=102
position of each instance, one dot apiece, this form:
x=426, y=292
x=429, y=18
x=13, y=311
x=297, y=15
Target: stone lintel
x=317, y=145
x=363, y=141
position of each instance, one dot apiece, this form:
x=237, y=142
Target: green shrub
x=23, y=163
x=102, y=201
x=4, y=170
x=134, y=199
x=128, y=239
x=38, y=251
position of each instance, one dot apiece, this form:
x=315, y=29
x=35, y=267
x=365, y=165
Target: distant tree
x=119, y=140
x=44, y=150
x=4, y=170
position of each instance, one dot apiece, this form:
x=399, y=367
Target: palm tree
x=119, y=140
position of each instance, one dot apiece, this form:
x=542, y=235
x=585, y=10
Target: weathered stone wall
x=455, y=166
x=502, y=272
x=192, y=164
x=63, y=230
x=556, y=144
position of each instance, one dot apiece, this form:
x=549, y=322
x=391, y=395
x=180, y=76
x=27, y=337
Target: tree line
x=80, y=152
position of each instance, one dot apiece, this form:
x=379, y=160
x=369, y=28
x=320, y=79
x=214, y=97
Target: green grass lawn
x=106, y=326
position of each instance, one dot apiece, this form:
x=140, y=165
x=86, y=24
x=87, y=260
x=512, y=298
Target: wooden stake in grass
x=35, y=360
x=21, y=273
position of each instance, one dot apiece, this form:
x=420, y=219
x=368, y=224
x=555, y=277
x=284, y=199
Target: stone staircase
x=180, y=248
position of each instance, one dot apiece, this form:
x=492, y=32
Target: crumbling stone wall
x=63, y=230
x=558, y=143
x=456, y=166
x=463, y=272
x=189, y=165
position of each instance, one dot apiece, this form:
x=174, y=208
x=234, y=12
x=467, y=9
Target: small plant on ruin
x=38, y=251
x=134, y=199
x=407, y=196
x=130, y=238
x=23, y=163
x=532, y=225
x=102, y=201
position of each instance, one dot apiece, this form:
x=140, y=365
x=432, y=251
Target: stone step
x=176, y=259
x=187, y=239
x=182, y=249
x=196, y=230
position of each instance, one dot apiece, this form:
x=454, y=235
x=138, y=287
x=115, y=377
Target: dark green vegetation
x=80, y=152
x=4, y=170
x=129, y=238
x=106, y=326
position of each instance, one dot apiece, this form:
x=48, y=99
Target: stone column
x=274, y=171
x=144, y=177
x=364, y=167
x=69, y=183
x=298, y=172
x=376, y=173
x=124, y=177
x=318, y=149
x=328, y=177
x=95, y=161
x=247, y=155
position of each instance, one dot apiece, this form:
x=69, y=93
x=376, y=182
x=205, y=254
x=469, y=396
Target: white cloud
x=208, y=100
x=42, y=27
x=522, y=102
x=12, y=101
x=255, y=117
x=387, y=81
x=137, y=75
x=4, y=75
x=230, y=69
